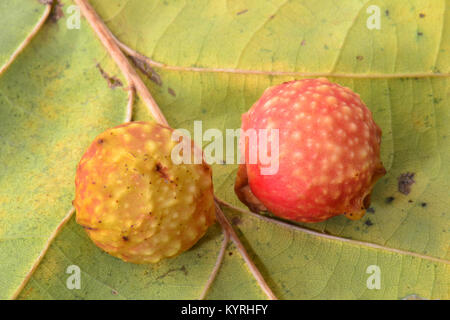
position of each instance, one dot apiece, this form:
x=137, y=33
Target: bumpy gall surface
x=329, y=152
x=134, y=202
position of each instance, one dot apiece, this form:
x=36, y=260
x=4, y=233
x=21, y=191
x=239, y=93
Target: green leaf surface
x=18, y=18
x=53, y=101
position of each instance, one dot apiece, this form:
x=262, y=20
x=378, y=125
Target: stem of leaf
x=212, y=277
x=131, y=94
x=237, y=242
x=122, y=62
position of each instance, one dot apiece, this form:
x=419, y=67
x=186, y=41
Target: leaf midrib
x=333, y=237
x=161, y=65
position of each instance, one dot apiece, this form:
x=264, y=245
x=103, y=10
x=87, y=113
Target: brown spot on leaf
x=113, y=82
x=421, y=15
x=57, y=11
x=359, y=58
x=171, y=92
x=242, y=12
x=182, y=269
x=235, y=221
x=405, y=181
x=389, y=199
x=125, y=238
x=146, y=69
